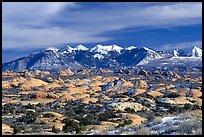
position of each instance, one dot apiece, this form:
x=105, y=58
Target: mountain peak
x=175, y=52
x=52, y=49
x=196, y=52
x=81, y=47
x=105, y=49
x=130, y=48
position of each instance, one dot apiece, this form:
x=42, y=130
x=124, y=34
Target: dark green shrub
x=129, y=110
x=29, y=106
x=89, y=119
x=125, y=123
x=48, y=115
x=71, y=125
x=30, y=117
x=106, y=115
x=55, y=130
x=17, y=128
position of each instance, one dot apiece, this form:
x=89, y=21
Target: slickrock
x=17, y=81
x=154, y=93
x=6, y=84
x=96, y=83
x=49, y=80
x=95, y=88
x=7, y=129
x=183, y=91
x=140, y=83
x=123, y=105
x=105, y=125
x=135, y=118
x=40, y=95
x=178, y=101
x=83, y=81
x=37, y=72
x=52, y=95
x=128, y=84
x=58, y=115
x=46, y=73
x=88, y=99
x=66, y=97
x=52, y=86
x=72, y=90
x=181, y=100
x=138, y=91
x=81, y=96
x=97, y=78
x=195, y=93
x=32, y=82
x=170, y=86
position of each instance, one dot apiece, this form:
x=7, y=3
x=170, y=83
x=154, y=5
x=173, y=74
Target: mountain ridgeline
x=99, y=56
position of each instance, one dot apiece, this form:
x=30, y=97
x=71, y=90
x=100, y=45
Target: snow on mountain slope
x=68, y=49
x=151, y=55
x=175, y=52
x=81, y=47
x=130, y=48
x=196, y=52
x=103, y=57
x=105, y=49
x=99, y=56
x=52, y=49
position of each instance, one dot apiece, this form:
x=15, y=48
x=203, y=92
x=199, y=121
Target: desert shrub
x=107, y=115
x=150, y=115
x=29, y=106
x=48, y=115
x=71, y=125
x=89, y=119
x=175, y=109
x=70, y=114
x=79, y=109
x=125, y=123
x=30, y=117
x=17, y=128
x=129, y=110
x=187, y=106
x=196, y=106
x=8, y=108
x=157, y=120
x=187, y=127
x=143, y=131
x=55, y=130
x=40, y=105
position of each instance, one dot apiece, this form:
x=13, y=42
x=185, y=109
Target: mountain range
x=100, y=56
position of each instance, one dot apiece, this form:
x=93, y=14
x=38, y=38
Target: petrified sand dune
x=66, y=72
x=6, y=129
x=123, y=105
x=32, y=82
x=52, y=86
x=66, y=97
x=135, y=118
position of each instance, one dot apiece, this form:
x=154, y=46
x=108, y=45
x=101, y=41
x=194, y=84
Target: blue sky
x=29, y=27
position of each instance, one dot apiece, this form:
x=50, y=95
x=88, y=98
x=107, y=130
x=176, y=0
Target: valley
x=102, y=101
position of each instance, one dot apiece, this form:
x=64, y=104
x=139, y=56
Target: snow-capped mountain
x=105, y=49
x=188, y=52
x=130, y=48
x=176, y=53
x=151, y=55
x=81, y=47
x=196, y=52
x=52, y=49
x=68, y=49
x=100, y=56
